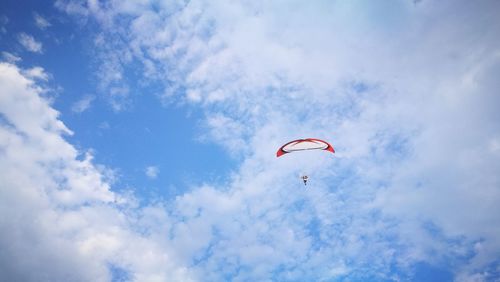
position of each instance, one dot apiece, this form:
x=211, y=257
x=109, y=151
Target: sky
x=138, y=140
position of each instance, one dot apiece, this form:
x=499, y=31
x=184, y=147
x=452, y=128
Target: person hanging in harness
x=304, y=178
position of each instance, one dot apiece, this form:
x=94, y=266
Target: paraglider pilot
x=304, y=178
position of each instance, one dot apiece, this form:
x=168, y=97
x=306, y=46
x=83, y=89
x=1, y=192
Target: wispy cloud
x=152, y=172
x=104, y=125
x=36, y=73
x=83, y=104
x=119, y=97
x=10, y=58
x=3, y=22
x=29, y=43
x=41, y=22
x=4, y=19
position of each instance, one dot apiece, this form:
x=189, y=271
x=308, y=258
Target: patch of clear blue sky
x=145, y=134
x=119, y=274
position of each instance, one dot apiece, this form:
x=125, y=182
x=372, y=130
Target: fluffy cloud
x=406, y=92
x=59, y=219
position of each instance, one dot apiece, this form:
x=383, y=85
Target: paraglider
x=304, y=145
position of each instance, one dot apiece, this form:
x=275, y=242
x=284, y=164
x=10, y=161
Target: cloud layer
x=60, y=221
x=407, y=93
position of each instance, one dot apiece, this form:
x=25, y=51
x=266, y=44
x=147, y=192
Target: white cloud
x=83, y=104
x=407, y=94
x=152, y=172
x=41, y=22
x=29, y=43
x=59, y=220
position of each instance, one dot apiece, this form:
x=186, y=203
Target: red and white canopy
x=304, y=144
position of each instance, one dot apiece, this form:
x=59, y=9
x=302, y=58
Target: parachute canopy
x=304, y=144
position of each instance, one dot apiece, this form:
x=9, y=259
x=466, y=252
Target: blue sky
x=138, y=141
x=164, y=138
